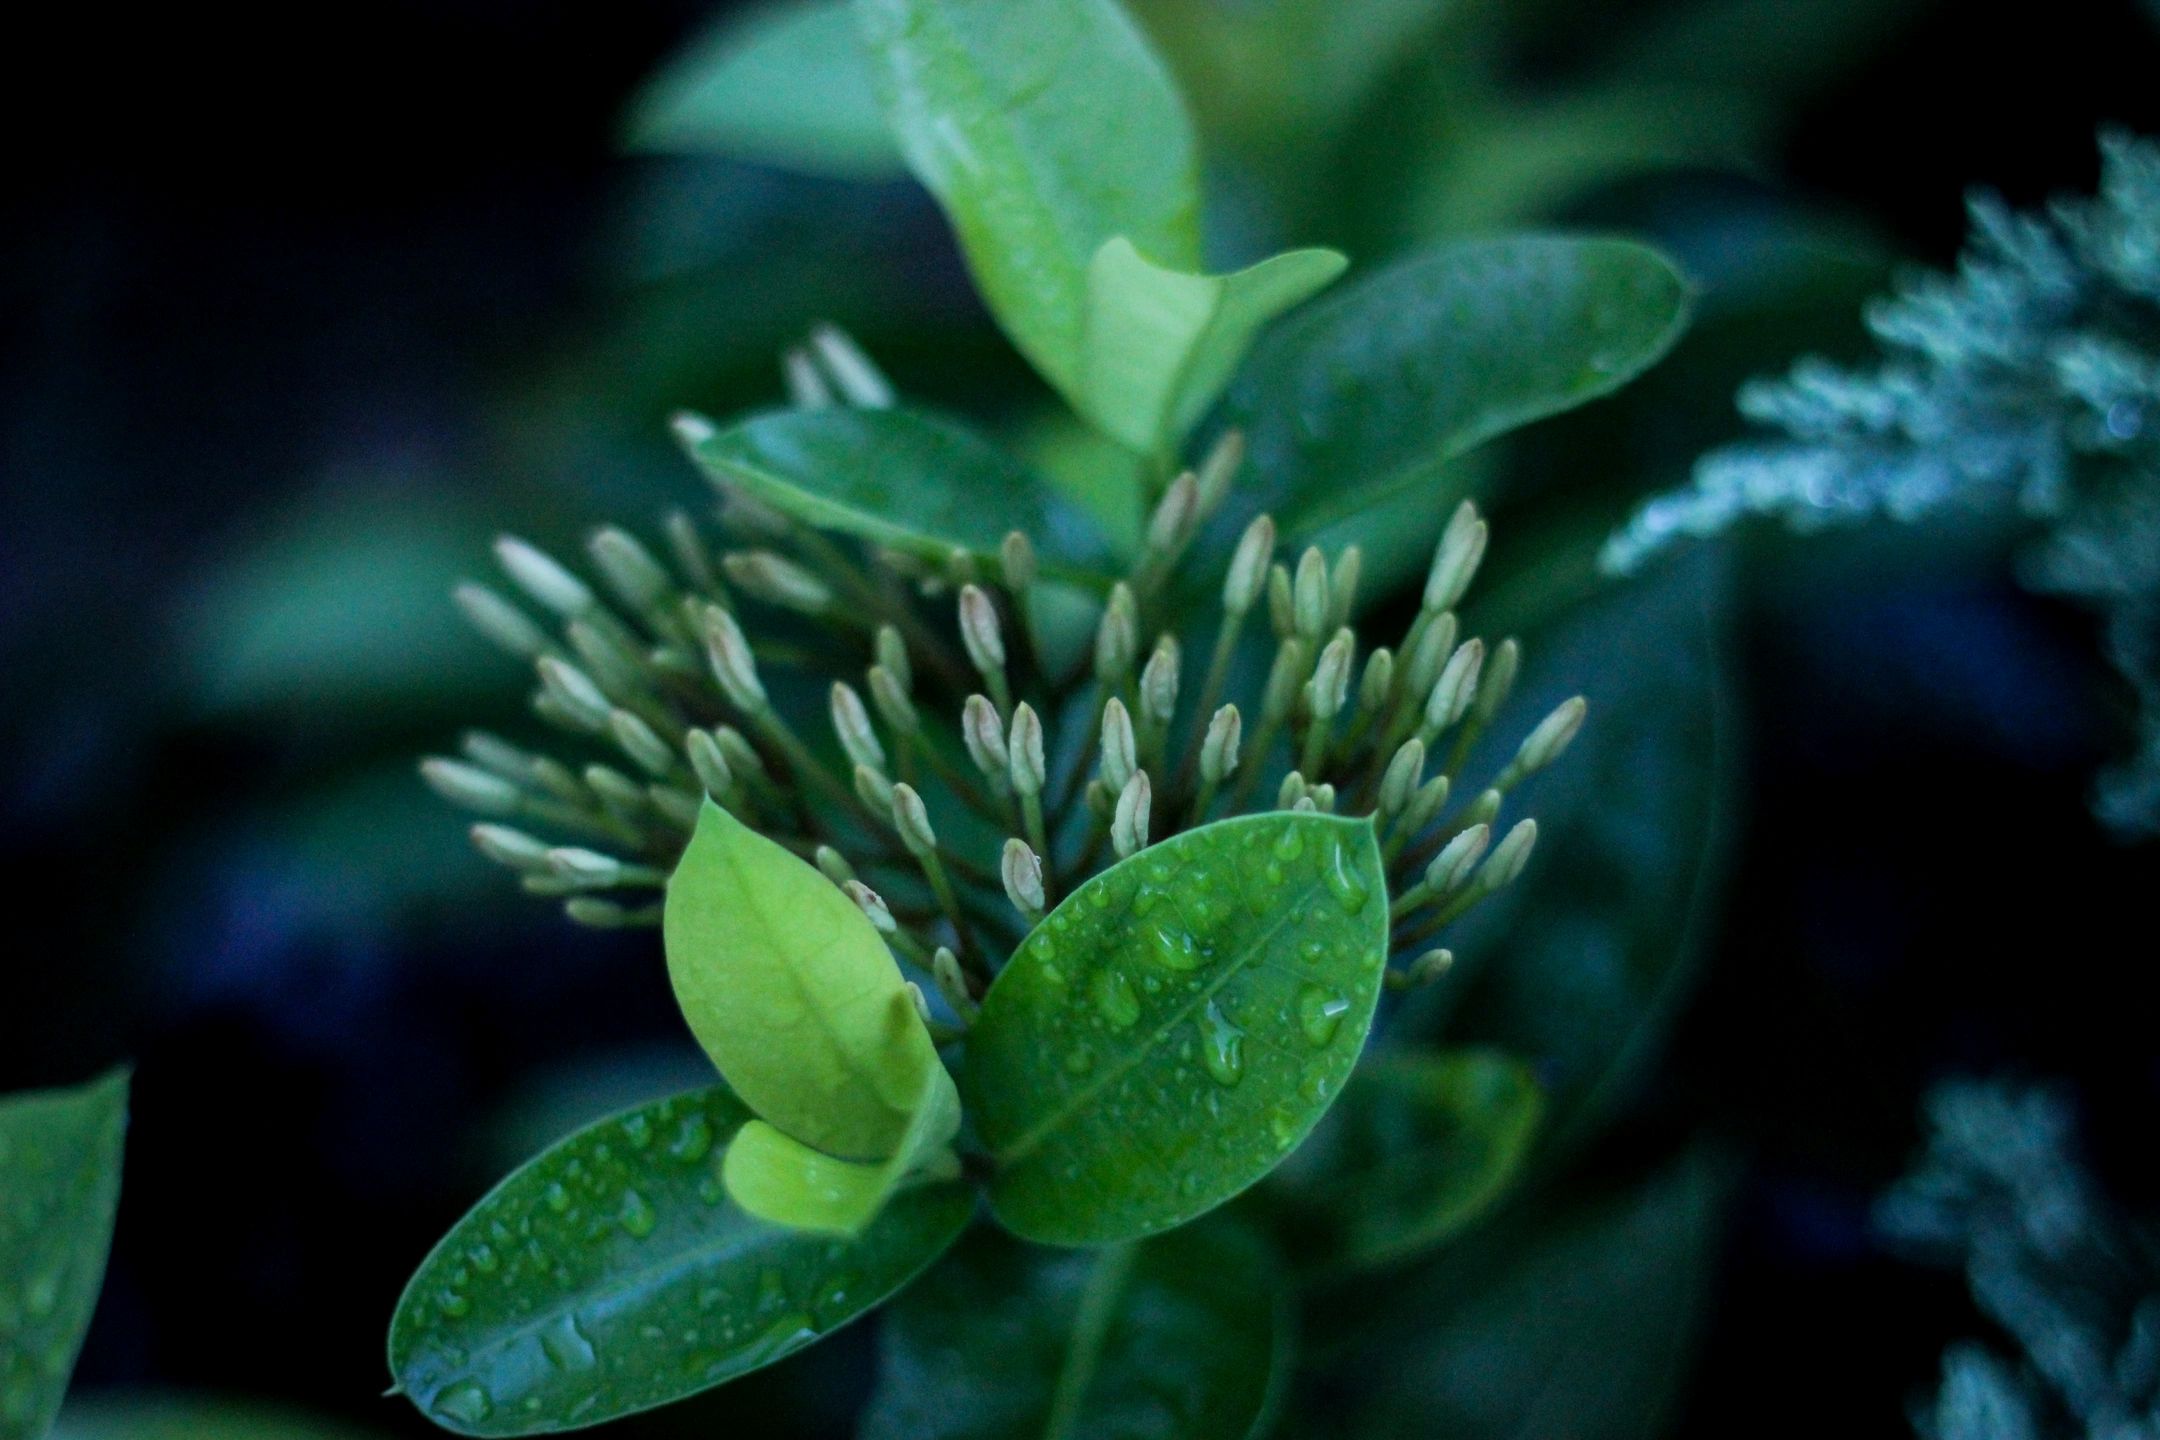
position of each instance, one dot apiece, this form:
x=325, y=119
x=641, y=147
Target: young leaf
x=1369, y=392
x=778, y=1178
x=1421, y=1146
x=612, y=1273
x=902, y=478
x=787, y=86
x=1177, y=1025
x=1160, y=344
x=60, y=1178
x=1181, y=1335
x=792, y=993
x=1044, y=128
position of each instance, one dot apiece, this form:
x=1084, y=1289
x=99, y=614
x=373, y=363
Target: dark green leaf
x=791, y=991
x=789, y=86
x=1368, y=392
x=1183, y=1335
x=162, y=1416
x=901, y=478
x=1421, y=1145
x=1177, y=1025
x=59, y=1188
x=612, y=1274
x=1044, y=128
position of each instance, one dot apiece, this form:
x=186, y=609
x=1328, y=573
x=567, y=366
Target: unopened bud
x=641, y=743
x=872, y=906
x=470, y=786
x=1117, y=638
x=513, y=848
x=851, y=722
x=911, y=818
x=833, y=865
x=576, y=865
x=639, y=580
x=1016, y=562
x=858, y=378
x=1281, y=603
x=951, y=982
x=1323, y=798
x=1427, y=968
x=1021, y=870
x=1484, y=809
x=979, y=630
x=1175, y=515
x=891, y=698
x=574, y=692
x=1024, y=751
x=728, y=651
x=806, y=387
x=777, y=580
x=1247, y=576
x=1159, y=683
x=1497, y=681
x=984, y=735
x=1309, y=595
x=1426, y=804
x=1404, y=771
x=539, y=575
x=1452, y=866
x=1120, y=749
x=495, y=754
x=1455, y=559
x=1377, y=684
x=1219, y=470
x=1435, y=642
x=1285, y=677
x=875, y=791
x=1457, y=685
x=1129, y=825
x=618, y=792
x=1330, y=683
x=709, y=764
x=891, y=652
x=1294, y=788
x=1509, y=856
x=1544, y=744
x=501, y=622
x=1219, y=750
x=688, y=548
x=1343, y=583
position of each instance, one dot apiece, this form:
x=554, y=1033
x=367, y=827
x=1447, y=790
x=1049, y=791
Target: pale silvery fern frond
x=2029, y=379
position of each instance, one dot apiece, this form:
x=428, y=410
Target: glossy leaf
x=1160, y=344
x=612, y=1274
x=1183, y=1335
x=788, y=86
x=778, y=1178
x=902, y=478
x=790, y=990
x=1177, y=1025
x=60, y=1153
x=1044, y=128
x=1367, y=393
x=1421, y=1146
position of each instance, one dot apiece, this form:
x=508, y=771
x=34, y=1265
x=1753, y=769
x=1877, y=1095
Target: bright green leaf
x=1368, y=393
x=1160, y=344
x=612, y=1274
x=60, y=1156
x=1181, y=1335
x=1421, y=1145
x=913, y=481
x=787, y=86
x=1044, y=128
x=789, y=989
x=1177, y=1025
x=778, y=1178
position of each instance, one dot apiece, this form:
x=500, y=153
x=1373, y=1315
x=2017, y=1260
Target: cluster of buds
x=968, y=779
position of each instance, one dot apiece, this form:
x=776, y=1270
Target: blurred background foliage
x=305, y=306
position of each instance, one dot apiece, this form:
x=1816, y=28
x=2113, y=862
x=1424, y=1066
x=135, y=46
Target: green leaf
x=1183, y=1335
x=1177, y=1025
x=161, y=1415
x=787, y=86
x=1368, y=393
x=778, y=1178
x=1044, y=128
x=612, y=1274
x=1160, y=344
x=790, y=990
x=913, y=481
x=60, y=1154
x=1422, y=1145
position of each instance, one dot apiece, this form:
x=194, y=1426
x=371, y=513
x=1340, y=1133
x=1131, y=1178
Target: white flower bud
x=574, y=692
x=1024, y=751
x=728, y=651
x=979, y=630
x=1457, y=685
x=872, y=905
x=1509, y=856
x=541, y=577
x=1219, y=750
x=513, y=848
x=1247, y=576
x=1455, y=559
x=639, y=580
x=1120, y=749
x=1159, y=683
x=1309, y=595
x=1404, y=771
x=851, y=722
x=911, y=818
x=1021, y=870
x=501, y=622
x=1129, y=825
x=470, y=786
x=641, y=743
x=984, y=735
x=1452, y=866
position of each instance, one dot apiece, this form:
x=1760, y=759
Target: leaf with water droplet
x=789, y=989
x=1112, y=1149
x=1389, y=378
x=1422, y=1144
x=60, y=1153
x=907, y=479
x=1180, y=1335
x=778, y=1178
x=1044, y=128
x=616, y=1304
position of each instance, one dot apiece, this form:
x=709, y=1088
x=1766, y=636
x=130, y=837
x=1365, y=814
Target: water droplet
x=1115, y=997
x=1320, y=1014
x=693, y=1138
x=557, y=1198
x=466, y=1403
x=1079, y=1060
x=484, y=1259
x=1289, y=845
x=42, y=1294
x=638, y=1131
x=1342, y=881
x=1044, y=947
x=789, y=1332
x=637, y=1215
x=453, y=1304
x=1174, y=949
x=1224, y=1052
x=566, y=1346
x=1283, y=1126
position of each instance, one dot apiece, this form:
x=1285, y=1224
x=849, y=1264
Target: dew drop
x=1224, y=1052
x=1320, y=1014
x=637, y=1215
x=466, y=1402
x=693, y=1138
x=1115, y=998
x=1289, y=845
x=638, y=1131
x=787, y=1333
x=1079, y=1060
x=566, y=1346
x=1349, y=891
x=557, y=1198
x=1174, y=948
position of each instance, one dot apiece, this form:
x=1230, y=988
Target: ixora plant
x=978, y=894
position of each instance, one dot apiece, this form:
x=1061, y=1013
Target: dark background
x=302, y=304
